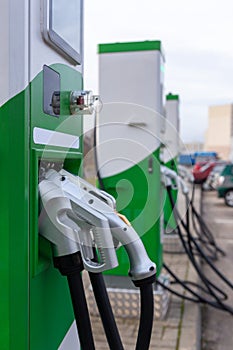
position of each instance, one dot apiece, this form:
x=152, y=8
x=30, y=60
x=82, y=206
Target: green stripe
x=130, y=46
x=172, y=97
x=169, y=220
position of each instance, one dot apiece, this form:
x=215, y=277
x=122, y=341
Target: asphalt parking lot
x=217, y=326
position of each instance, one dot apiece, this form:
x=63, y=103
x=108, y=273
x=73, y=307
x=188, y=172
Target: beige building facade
x=219, y=135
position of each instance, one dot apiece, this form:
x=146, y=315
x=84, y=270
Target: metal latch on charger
x=83, y=102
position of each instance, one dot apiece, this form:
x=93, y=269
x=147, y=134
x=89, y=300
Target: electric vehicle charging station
x=172, y=130
x=170, y=152
x=40, y=65
x=128, y=138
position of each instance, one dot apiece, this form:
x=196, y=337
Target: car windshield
x=218, y=168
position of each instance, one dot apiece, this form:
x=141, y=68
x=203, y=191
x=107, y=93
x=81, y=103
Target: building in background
x=191, y=147
x=219, y=135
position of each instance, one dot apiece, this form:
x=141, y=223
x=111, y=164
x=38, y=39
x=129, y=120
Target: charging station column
x=170, y=151
x=40, y=65
x=128, y=138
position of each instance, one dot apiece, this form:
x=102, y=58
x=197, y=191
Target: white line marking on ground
x=223, y=221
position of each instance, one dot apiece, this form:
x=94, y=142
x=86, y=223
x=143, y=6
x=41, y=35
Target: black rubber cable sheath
x=184, y=284
x=191, y=257
x=189, y=252
x=81, y=311
x=184, y=296
x=105, y=310
x=207, y=243
x=146, y=317
x=199, y=299
x=198, y=286
x=207, y=283
x=192, y=239
x=209, y=262
x=205, y=230
x=210, y=244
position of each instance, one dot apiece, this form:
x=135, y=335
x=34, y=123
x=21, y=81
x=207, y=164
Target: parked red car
x=201, y=171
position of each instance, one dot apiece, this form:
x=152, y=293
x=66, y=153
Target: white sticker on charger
x=71, y=340
x=55, y=138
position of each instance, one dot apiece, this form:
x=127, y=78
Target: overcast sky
x=197, y=37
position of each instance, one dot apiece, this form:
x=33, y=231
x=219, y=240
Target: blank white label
x=55, y=138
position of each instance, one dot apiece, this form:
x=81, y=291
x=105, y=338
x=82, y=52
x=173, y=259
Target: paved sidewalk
x=217, y=326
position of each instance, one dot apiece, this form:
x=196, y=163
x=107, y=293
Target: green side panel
x=143, y=211
x=4, y=237
x=14, y=223
x=130, y=46
x=35, y=306
x=169, y=220
x=50, y=310
x=172, y=97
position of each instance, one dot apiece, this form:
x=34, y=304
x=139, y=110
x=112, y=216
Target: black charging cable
x=147, y=312
x=203, y=228
x=71, y=267
x=105, y=309
x=189, y=250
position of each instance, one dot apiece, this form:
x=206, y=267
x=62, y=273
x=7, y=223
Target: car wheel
x=229, y=198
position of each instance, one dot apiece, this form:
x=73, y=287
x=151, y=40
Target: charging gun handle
x=141, y=267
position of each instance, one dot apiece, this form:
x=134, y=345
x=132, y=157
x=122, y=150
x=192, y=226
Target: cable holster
x=69, y=264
